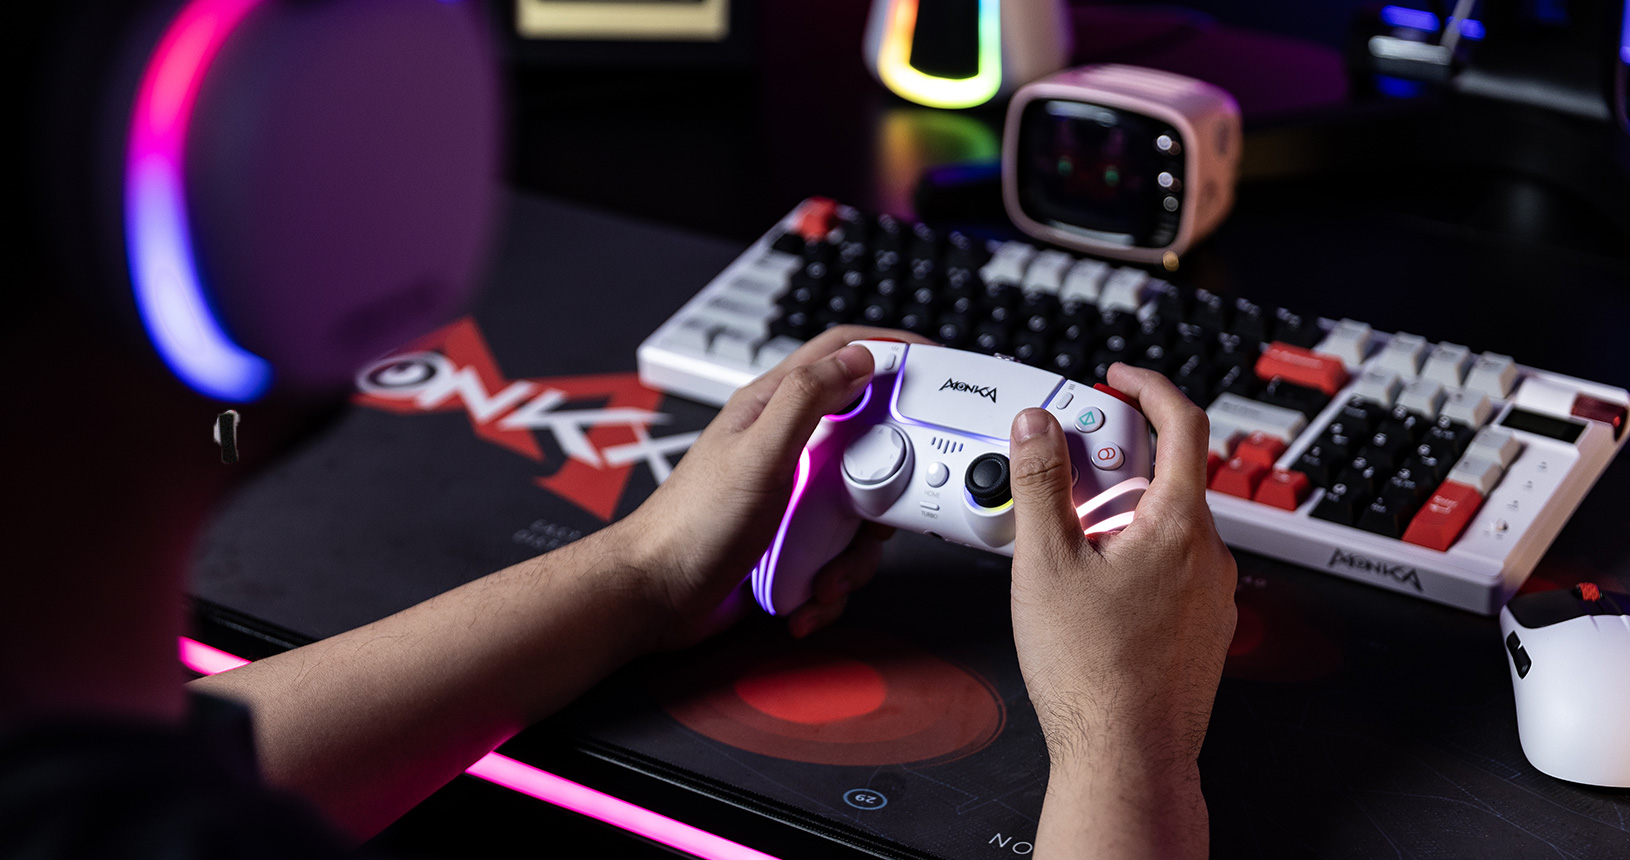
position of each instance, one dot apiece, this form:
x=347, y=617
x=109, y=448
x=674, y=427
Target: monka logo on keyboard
x=599, y=424
x=1402, y=574
x=987, y=392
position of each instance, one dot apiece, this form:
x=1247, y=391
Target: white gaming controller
x=925, y=449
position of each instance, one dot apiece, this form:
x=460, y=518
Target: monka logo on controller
x=987, y=392
x=1402, y=574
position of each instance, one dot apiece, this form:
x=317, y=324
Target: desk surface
x=1351, y=722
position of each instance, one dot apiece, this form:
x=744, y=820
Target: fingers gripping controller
x=933, y=414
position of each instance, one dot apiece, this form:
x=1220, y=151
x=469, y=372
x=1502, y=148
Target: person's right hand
x=1121, y=637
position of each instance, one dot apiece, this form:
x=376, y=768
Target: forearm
x=369, y=722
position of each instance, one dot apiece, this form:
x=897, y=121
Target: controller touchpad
x=967, y=391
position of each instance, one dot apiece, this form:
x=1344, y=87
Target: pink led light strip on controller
x=545, y=786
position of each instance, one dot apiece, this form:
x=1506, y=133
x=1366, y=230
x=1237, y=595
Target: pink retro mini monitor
x=1120, y=161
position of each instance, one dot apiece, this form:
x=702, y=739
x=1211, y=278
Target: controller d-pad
x=987, y=480
x=875, y=456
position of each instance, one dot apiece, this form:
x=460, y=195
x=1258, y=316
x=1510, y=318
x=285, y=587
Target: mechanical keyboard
x=1415, y=466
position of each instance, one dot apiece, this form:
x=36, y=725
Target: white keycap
x=773, y=350
x=1084, y=281
x=1380, y=386
x=1223, y=440
x=743, y=301
x=1492, y=374
x=1348, y=341
x=734, y=345
x=1495, y=443
x=1471, y=408
x=1447, y=364
x=1124, y=290
x=1008, y=264
x=1231, y=412
x=1046, y=272
x=690, y=336
x=1479, y=473
x=1423, y=396
x=1538, y=394
x=1402, y=355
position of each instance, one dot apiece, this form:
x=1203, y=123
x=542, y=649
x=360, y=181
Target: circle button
x=1108, y=457
x=938, y=474
x=875, y=456
x=1090, y=419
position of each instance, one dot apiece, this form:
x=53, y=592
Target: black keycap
x=1210, y=311
x=1189, y=340
x=1401, y=422
x=1172, y=303
x=991, y=336
x=1386, y=517
x=1153, y=357
x=1408, y=488
x=1068, y=359
x=1385, y=451
x=1114, y=322
x=1338, y=445
x=1237, y=379
x=843, y=303
x=1294, y=329
x=796, y=324
x=1360, y=415
x=1308, y=401
x=1339, y=504
x=1319, y=463
x=1250, y=320
x=888, y=233
x=789, y=243
x=954, y=329
x=1359, y=476
x=1427, y=467
x=917, y=318
x=878, y=310
x=1453, y=435
x=1030, y=347
x=962, y=281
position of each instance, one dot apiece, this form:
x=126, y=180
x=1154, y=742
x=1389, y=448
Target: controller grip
x=815, y=528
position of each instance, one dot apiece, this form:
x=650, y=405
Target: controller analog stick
x=987, y=480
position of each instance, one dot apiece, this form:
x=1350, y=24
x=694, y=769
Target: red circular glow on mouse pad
x=813, y=689
x=841, y=697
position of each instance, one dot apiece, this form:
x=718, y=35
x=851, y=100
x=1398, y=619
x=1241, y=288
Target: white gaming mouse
x=1569, y=656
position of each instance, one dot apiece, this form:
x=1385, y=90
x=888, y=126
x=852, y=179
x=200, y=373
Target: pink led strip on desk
x=544, y=786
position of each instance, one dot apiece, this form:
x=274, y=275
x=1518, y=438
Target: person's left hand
x=703, y=530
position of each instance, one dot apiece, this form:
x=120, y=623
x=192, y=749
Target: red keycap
x=1302, y=367
x=1612, y=414
x=1214, y=462
x=1260, y=447
x=1439, y=524
x=1283, y=488
x=1238, y=477
x=816, y=219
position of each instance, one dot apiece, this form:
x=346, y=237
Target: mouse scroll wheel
x=1587, y=591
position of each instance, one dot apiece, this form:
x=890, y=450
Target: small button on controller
x=1108, y=457
x=938, y=474
x=1090, y=419
x=987, y=480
